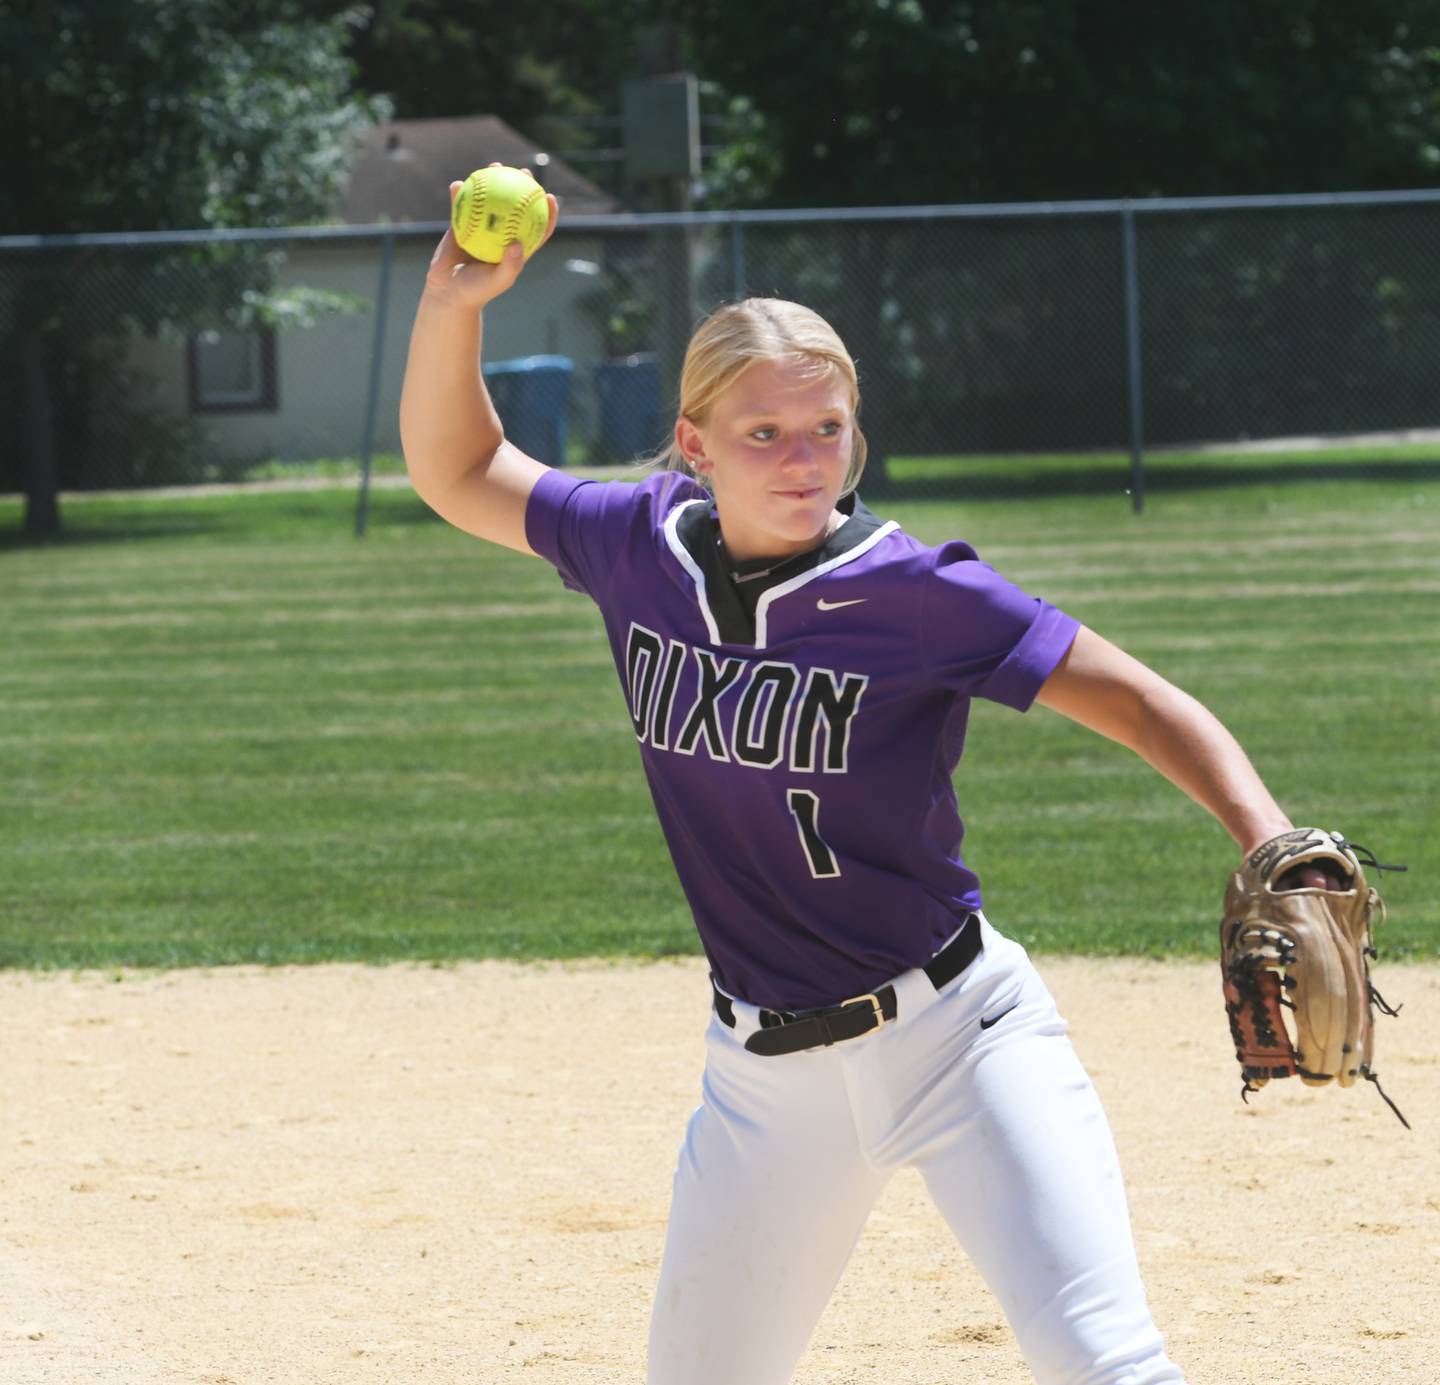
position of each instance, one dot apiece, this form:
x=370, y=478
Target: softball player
x=799, y=673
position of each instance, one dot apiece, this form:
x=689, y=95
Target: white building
x=300, y=393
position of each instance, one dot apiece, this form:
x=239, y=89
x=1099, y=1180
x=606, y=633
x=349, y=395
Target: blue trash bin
x=532, y=396
x=628, y=391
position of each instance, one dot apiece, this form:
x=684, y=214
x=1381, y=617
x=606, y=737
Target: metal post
x=676, y=279
x=1133, y=383
x=377, y=356
x=737, y=258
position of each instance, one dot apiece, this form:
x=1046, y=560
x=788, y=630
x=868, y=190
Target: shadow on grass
x=261, y=515
x=990, y=481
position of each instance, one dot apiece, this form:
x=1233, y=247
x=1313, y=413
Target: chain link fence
x=1010, y=331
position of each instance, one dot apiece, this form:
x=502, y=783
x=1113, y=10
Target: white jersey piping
x=682, y=555
x=762, y=607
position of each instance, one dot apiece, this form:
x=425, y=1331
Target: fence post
x=1133, y=384
x=737, y=258
x=377, y=356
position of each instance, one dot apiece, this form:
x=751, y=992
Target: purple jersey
x=800, y=749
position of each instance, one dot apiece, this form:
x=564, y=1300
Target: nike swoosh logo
x=823, y=605
x=995, y=1019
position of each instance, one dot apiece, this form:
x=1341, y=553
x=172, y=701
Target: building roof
x=403, y=168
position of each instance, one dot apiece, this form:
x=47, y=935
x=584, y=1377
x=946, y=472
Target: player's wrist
x=1251, y=841
x=444, y=298
x=1257, y=823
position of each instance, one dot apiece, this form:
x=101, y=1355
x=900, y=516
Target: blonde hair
x=739, y=335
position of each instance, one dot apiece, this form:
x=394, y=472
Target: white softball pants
x=786, y=1155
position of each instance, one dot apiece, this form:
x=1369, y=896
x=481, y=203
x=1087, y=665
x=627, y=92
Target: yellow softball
x=495, y=206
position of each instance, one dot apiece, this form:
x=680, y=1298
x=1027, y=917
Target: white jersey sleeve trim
x=762, y=607
x=672, y=537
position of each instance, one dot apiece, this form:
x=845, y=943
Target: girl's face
x=776, y=449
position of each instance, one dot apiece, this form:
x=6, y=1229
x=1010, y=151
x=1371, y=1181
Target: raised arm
x=455, y=448
x=1105, y=689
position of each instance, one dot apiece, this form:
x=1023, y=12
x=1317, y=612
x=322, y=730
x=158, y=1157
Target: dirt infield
x=349, y=1174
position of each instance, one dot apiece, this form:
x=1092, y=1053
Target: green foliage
x=746, y=167
x=172, y=114
x=294, y=306
x=140, y=115
x=276, y=119
x=847, y=102
x=898, y=101
x=566, y=60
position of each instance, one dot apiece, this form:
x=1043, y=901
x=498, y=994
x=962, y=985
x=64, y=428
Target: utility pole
x=661, y=121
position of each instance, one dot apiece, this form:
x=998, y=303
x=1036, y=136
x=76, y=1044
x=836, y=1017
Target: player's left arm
x=1104, y=688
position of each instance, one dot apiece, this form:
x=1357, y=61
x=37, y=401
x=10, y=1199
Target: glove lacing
x=1376, y=999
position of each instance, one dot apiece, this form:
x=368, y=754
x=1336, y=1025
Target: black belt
x=789, y=1031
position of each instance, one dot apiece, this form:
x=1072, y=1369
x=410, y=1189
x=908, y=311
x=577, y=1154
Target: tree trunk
x=42, y=481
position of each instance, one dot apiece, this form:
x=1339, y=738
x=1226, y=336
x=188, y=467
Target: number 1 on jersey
x=805, y=809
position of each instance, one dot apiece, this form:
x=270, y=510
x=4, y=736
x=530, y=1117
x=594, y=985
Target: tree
x=556, y=75
x=868, y=102
x=135, y=115
x=434, y=59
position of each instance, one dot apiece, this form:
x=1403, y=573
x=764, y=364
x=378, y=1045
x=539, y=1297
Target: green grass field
x=234, y=733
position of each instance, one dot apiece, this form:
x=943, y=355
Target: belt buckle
x=874, y=1005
